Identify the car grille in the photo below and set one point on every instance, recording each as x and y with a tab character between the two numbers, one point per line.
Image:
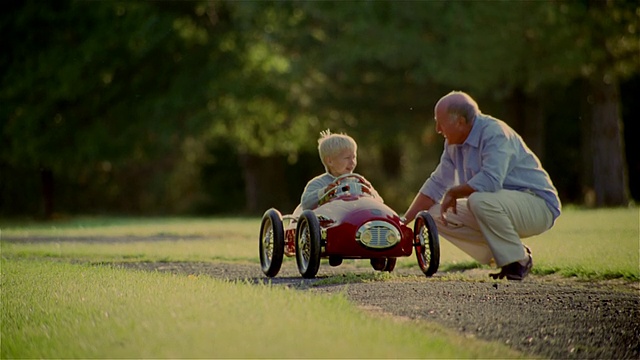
378	235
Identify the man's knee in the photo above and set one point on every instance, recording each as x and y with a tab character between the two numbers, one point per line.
478	202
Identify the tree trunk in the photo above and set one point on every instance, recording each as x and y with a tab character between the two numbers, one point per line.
526	117
391	160
265	184
609	166
586	148
46	176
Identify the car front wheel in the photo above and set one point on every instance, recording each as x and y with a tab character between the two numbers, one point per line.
308	244
426	243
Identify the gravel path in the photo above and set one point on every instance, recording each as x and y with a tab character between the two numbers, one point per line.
543	316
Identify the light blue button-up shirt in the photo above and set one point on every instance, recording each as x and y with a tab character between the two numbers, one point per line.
492	158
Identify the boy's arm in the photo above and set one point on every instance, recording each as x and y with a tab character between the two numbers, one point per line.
312	193
375	194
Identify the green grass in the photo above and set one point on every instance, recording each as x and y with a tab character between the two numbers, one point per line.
588	244
86	226
227	239
61	310
598	244
161	251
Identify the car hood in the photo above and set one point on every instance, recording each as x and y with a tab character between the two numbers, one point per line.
355	210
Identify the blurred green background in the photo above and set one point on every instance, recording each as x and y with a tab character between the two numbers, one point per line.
193	107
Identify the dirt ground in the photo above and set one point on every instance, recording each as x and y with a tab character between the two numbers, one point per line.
542	316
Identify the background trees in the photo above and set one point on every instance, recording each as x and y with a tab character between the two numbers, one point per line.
186	107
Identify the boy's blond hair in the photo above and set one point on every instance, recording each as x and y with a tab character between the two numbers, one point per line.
330	145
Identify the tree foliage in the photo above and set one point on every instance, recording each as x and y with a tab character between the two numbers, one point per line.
140	103
101	89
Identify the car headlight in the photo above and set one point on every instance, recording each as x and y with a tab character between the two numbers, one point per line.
392	237
378	235
365	237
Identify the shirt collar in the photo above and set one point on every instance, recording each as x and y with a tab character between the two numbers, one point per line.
474	136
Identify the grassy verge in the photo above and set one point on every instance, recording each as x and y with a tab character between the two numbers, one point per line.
60	310
587	244
186	239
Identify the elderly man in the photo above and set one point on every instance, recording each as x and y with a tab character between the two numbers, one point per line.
489	189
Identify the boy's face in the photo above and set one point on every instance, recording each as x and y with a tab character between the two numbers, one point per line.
343	163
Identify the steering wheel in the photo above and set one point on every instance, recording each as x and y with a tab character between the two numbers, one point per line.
344	184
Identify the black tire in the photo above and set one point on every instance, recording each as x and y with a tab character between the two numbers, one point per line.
378	264
308	244
271	242
383	264
426	243
335	261
390	264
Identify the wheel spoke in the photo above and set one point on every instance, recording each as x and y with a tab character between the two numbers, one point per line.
304	246
424	239
267	243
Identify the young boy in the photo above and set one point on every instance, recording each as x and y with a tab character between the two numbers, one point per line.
338	153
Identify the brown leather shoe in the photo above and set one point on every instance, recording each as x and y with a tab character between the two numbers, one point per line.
498	275
518	271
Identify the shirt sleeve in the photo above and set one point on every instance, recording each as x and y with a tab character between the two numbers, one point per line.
312	193
441	178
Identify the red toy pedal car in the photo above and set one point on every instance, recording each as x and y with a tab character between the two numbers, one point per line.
350	224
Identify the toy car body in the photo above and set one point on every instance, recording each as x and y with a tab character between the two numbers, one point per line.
349	223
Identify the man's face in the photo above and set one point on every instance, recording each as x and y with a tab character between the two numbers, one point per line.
454	128
343	163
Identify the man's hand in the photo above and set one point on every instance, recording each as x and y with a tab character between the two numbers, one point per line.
420	202
449	202
450	197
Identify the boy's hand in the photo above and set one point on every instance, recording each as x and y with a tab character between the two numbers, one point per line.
326	197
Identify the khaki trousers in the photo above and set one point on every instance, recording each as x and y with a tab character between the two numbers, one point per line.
488	226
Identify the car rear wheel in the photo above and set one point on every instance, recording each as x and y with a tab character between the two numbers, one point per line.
271	242
390	264
426	243
335	260
308	244
383	264
378	264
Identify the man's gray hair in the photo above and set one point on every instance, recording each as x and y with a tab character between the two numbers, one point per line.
461	104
